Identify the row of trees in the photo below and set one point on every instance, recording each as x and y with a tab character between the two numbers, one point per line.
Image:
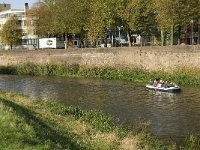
94	18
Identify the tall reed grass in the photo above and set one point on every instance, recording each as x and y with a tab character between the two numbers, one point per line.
183	76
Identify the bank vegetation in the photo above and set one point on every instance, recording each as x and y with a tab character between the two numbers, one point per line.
38	124
187	76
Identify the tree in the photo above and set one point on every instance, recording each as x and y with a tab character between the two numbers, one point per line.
11	32
63	17
94	25
102	16
165	10
176	14
58	17
41	19
69	16
139	17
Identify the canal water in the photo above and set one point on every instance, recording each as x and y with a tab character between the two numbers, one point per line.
172	116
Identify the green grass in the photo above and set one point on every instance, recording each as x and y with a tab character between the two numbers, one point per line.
36	124
28	124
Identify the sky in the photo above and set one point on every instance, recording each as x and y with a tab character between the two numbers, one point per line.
18	4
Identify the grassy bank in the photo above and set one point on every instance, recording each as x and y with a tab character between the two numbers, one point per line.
182	76
27	124
34	124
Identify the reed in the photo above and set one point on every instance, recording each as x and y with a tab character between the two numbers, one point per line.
182	76
191	142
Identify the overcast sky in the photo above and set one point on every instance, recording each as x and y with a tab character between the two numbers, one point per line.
18	4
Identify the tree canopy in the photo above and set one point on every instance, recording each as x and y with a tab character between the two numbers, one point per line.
11	32
95	17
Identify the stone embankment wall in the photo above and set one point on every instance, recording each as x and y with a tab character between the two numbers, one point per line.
151	58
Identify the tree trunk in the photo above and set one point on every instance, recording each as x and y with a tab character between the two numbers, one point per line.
162	37
66	40
179	35
172	35
129	39
82	45
199	33
106	42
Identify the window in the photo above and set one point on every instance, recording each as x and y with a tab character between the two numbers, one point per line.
75	43
24	33
25	22
20	22
34	32
24	41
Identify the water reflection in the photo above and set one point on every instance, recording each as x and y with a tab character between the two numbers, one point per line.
172	115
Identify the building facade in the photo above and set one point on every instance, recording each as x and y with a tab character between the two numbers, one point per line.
29	39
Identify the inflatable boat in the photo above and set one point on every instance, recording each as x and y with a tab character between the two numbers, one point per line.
170	89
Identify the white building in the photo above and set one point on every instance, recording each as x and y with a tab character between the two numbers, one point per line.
29	39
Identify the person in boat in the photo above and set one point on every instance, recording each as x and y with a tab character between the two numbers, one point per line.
165	84
160	83
151	82
171	84
174	84
156	81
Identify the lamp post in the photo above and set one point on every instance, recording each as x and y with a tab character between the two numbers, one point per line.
119	28
192	23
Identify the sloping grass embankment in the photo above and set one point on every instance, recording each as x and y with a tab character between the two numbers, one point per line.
34	124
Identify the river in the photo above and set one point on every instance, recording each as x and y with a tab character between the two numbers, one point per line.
172	116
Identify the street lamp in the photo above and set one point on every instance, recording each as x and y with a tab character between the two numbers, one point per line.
192	22
119	28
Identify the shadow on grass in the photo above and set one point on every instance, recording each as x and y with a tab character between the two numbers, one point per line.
43	131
